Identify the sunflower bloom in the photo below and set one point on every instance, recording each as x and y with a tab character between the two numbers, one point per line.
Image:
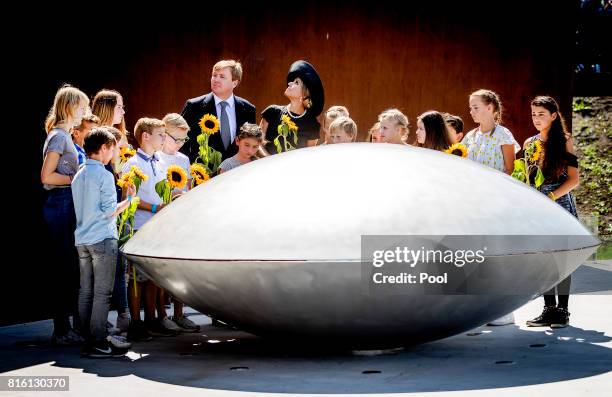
537	151
199	174
137	172
177	177
458	149
289	123
126	153
125	180
209	124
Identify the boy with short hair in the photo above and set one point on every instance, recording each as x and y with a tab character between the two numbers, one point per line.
342	130
454	125
176	136
150	134
88	122
332	114
249	140
96	209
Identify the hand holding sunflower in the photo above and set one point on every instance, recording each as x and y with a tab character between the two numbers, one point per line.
130	182
134	177
176	178
523	167
287	127
199	174
210	158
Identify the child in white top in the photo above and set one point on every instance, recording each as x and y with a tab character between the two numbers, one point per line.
490	143
176	136
150	135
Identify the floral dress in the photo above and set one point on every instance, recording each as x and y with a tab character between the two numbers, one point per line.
485	148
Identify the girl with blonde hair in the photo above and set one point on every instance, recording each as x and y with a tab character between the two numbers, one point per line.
393	127
60	164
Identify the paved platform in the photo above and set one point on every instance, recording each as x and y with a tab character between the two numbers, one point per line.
510	360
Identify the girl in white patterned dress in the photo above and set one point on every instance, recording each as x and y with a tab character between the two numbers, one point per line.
490	143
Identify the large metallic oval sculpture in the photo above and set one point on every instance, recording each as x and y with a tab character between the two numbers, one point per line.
275	246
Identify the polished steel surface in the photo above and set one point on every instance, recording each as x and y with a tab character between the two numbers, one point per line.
274	246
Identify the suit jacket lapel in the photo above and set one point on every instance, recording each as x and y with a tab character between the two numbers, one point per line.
209	105
239	113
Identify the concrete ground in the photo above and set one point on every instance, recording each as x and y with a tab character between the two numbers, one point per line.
502	361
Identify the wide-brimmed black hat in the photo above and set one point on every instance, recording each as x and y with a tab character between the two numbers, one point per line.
308	74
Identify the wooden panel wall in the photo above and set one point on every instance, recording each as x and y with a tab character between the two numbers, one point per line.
369	59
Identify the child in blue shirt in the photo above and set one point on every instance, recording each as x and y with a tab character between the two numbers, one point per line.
88	122
96	208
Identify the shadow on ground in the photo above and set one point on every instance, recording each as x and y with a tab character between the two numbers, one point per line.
223	359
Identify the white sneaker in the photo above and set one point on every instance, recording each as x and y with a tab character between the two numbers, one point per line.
118	341
169	324
504	320
186	324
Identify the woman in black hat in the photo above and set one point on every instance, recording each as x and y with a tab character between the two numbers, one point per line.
305	93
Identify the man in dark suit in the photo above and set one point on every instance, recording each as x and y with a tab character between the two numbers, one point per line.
232	111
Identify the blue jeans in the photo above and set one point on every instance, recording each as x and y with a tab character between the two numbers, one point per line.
59	215
119	299
98	263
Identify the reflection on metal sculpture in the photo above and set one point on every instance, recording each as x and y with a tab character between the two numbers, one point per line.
275	246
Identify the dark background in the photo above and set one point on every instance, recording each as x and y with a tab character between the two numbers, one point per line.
370	55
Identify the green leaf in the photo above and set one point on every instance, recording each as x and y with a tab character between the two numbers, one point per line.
134	205
519	165
277	144
161	188
216	161
137	183
519	175
539	179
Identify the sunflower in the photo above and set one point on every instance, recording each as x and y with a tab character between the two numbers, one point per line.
125	180
209	124
537	151
199	173
177	177
137	172
289	123
458	149
126	153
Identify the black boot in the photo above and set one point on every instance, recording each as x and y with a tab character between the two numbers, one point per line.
544	319
561	318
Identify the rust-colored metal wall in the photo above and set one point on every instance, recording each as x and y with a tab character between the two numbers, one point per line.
370	58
